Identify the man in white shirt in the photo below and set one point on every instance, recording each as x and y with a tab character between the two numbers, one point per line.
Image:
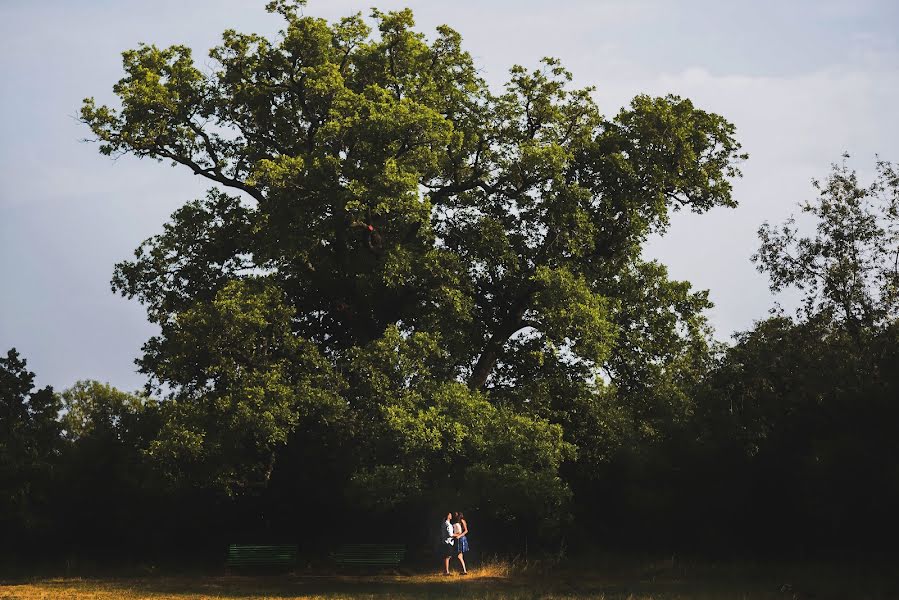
448	544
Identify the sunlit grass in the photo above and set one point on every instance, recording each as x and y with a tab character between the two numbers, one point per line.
493	580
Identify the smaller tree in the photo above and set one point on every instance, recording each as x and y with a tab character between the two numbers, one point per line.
29	443
800	413
93	409
849	270
104	491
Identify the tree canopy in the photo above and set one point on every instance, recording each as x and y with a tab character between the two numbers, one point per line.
398	252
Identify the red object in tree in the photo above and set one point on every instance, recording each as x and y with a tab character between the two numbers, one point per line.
370	228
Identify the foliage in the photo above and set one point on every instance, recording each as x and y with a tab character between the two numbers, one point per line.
241	384
91	409
803	409
104	477
29	443
407	245
446	443
801	418
850	268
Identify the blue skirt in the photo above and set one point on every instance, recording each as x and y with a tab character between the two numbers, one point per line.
462	544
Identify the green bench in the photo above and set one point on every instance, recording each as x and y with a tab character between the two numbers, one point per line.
369	555
261	556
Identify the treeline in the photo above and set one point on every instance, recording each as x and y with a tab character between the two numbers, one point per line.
783	442
430	295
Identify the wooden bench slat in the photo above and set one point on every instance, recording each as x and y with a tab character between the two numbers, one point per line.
369	554
261	555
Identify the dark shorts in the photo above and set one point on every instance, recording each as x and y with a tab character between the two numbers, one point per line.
447	550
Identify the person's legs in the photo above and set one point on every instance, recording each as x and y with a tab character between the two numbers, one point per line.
446	560
462	560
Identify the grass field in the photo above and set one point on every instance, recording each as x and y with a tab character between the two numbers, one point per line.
496	582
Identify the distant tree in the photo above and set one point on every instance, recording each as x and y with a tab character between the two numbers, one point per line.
29	445
849	270
106	489
799	415
391	200
94	409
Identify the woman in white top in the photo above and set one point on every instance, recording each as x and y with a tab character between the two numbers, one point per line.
460	532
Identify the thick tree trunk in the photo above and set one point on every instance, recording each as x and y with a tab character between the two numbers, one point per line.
485	363
506	329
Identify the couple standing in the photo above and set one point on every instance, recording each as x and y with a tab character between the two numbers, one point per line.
455	540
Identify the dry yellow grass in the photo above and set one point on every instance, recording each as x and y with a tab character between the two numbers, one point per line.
331	587
476	584
496	580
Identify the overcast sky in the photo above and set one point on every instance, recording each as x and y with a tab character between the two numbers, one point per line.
803	81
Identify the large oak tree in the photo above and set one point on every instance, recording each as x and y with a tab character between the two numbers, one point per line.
448	273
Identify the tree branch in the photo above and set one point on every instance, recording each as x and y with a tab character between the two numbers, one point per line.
213	173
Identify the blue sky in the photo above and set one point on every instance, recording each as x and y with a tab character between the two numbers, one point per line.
803	81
